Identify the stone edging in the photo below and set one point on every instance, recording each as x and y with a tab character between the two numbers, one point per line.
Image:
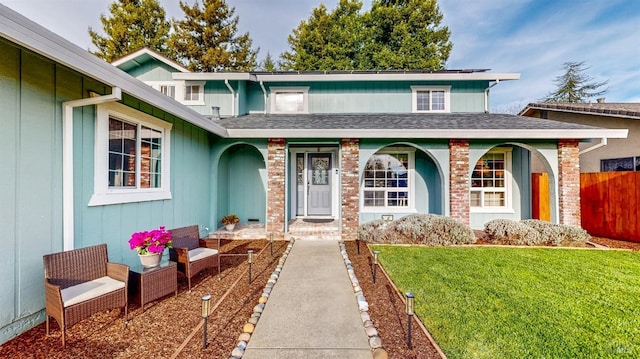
248	328
372	333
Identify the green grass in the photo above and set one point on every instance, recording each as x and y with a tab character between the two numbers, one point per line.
494	302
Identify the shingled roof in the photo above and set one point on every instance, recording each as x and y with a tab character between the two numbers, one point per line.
411	125
629	110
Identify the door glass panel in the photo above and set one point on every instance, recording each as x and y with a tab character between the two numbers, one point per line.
320	170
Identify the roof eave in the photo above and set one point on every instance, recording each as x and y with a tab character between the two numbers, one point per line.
533	134
24	32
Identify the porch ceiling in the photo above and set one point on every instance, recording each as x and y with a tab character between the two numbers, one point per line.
413	125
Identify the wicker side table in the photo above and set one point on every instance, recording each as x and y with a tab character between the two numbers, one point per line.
148	284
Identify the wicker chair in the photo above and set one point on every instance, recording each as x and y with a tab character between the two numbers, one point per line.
191	252
81	282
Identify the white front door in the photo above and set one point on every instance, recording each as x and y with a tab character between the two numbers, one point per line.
319	175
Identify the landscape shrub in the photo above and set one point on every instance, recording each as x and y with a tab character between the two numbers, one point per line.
558	234
419	229
371	232
505	231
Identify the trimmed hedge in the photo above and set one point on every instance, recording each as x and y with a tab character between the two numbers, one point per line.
533	232
558	234
427	229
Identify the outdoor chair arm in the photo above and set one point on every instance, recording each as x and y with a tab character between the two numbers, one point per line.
118	271
53	296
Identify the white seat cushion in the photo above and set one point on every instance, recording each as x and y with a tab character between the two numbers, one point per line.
88	290
200	253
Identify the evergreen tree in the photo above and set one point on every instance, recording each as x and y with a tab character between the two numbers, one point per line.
268	64
133	24
575	85
326	41
206	40
394	34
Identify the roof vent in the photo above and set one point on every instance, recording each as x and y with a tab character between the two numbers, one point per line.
215	112
601	100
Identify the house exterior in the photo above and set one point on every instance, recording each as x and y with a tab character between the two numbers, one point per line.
93	152
601	155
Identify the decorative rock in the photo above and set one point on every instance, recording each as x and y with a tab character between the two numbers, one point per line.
237	352
248	328
242	345
375	342
254	314
371	331
244	337
253	320
258	308
365	316
262	300
380	353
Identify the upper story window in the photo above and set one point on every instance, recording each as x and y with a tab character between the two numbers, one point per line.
131	156
289	99
388	181
620	164
491	181
430	98
169	90
193	93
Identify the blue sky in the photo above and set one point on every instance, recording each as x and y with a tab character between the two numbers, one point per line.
530	37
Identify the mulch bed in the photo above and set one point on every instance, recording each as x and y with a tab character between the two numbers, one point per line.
171	327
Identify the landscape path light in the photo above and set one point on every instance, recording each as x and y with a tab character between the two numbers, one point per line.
250	260
409	303
206	306
375	265
271	242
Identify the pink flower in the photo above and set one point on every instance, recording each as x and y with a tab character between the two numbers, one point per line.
154	241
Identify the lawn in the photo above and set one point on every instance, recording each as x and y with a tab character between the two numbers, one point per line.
495	302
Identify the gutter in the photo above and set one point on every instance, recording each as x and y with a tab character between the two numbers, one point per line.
264	93
67	160
603	142
486	95
233	97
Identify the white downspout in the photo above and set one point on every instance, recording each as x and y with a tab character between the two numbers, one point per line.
264	94
233	98
67	160
486	96
603	142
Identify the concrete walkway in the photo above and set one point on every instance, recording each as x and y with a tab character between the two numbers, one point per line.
312	311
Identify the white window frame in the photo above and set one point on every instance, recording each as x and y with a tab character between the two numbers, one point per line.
508	190
180	96
414	98
411	208
273	91
102	193
177	85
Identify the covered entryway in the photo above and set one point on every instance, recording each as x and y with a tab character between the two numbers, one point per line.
314	192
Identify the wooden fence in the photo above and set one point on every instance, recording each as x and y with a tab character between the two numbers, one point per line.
610	203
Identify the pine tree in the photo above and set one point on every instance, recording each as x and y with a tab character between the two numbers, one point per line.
206	39
394	34
268	64
575	85
132	24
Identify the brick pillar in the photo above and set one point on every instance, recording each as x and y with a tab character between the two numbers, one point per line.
569	182
459	180
350	188
276	186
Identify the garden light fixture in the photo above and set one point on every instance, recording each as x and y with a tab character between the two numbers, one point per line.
375	265
206	305
250	260
409	304
271	242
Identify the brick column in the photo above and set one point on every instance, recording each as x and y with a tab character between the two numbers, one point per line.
459	180
276	186
569	182
350	188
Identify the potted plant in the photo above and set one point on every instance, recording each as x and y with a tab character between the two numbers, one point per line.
230	221
150	245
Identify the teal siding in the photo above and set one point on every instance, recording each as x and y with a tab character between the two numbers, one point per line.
152	71
255	98
216	93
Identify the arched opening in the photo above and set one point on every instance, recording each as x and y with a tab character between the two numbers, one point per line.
400	179
241	189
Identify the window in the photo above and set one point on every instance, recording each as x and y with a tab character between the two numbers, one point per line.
490	180
388	181
168	90
289	100
430	98
620	164
131	156
192	93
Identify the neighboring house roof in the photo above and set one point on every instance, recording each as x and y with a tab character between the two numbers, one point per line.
411	125
30	35
144	54
625	110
